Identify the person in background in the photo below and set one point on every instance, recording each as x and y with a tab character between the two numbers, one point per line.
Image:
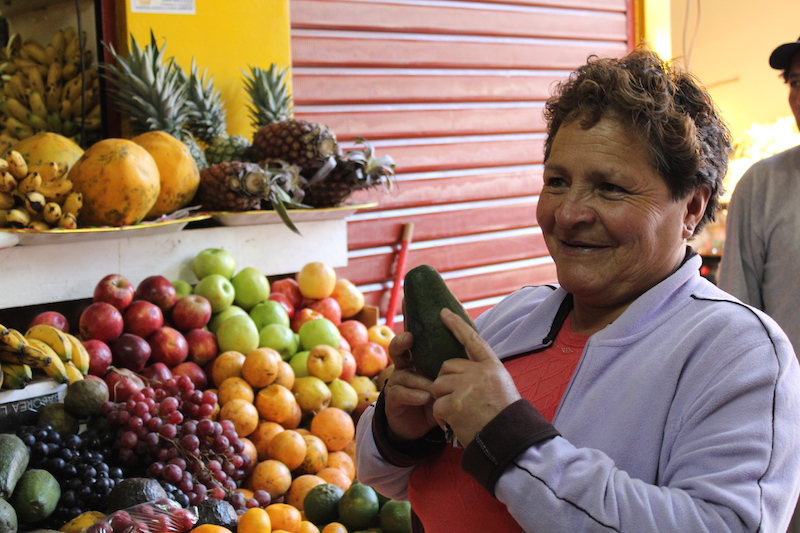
635	396
762	232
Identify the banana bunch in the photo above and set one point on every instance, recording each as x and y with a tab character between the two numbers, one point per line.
42	349
49	87
36	200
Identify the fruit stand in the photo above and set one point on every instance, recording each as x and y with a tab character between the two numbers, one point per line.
178	352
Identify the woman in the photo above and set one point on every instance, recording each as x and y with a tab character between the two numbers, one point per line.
636	396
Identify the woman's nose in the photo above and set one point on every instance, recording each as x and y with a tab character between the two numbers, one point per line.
575	208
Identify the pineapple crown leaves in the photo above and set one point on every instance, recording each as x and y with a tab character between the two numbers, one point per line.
208	119
370	171
150	90
270	101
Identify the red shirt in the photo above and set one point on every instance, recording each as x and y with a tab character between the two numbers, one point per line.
446	498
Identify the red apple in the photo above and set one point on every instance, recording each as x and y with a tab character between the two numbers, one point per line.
101	321
156	373
169	346
122	384
348	366
354	331
344	345
191	312
203	346
193	372
116	290
329	308
100	357
291	289
302	316
158	290
142	318
284	301
130	351
52	318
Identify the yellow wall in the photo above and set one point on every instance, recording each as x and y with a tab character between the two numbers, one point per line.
653	25
224	36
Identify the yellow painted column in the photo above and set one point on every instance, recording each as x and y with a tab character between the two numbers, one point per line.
654	26
224	36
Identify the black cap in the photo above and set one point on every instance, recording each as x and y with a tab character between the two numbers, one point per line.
782	56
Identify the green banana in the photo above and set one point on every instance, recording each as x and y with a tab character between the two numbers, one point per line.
16	376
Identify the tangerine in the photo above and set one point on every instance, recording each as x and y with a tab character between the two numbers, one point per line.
251	450
334	527
210	528
242	413
316	455
275	403
321	503
225	365
358	507
285	375
254	520
336	476
335	427
288	447
307	527
272	476
343	462
262	436
260	367
284	516
296	418
235	387
300	487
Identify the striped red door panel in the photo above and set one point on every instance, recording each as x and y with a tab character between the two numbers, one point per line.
461	18
453	186
599	5
310	48
312	85
397	121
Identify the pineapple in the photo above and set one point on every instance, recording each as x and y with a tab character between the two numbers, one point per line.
311	147
228	148
152	93
355	170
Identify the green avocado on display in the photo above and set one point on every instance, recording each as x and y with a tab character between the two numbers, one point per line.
13	462
36	495
8	517
426	294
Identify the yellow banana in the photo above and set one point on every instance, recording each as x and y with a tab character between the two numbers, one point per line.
35	51
52	97
70	70
12	340
18	110
18	218
73	203
51	213
50	171
3	165
54	73
53	337
34	202
8	183
72	372
80	355
35	80
56	368
37	105
58	43
69	33
16	376
17	165
31	182
65	109
7	201
38	225
68	221
18	86
55	188
51	54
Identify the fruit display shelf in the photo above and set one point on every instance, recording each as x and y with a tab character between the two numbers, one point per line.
21	406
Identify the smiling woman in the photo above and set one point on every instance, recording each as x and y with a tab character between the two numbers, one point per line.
634	160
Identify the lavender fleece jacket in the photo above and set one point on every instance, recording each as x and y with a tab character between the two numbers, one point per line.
683	416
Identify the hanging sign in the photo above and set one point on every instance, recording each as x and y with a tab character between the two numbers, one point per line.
167	7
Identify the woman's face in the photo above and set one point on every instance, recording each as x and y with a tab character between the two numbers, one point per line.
607	215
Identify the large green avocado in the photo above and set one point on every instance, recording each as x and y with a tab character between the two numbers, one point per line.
36	495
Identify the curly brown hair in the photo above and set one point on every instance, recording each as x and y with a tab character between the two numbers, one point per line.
665	105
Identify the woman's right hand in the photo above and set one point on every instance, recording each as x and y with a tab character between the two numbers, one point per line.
407	394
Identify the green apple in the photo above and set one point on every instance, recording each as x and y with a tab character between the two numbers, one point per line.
280	338
319	331
219	318
269	312
251	286
214	261
182	288
299	363
218	290
237	333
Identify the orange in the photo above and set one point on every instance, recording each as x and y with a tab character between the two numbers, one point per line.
316	280
242	413
271	476
275	403
254	520
316	455
334	527
262	436
285	375
211	528
335	427
225	365
250	449
371	358
300	487
260	367
336	476
284	516
296	418
350	298
235	387
247	492
288	447
343	462
307	527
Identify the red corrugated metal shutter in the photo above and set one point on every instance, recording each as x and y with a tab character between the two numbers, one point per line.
453	91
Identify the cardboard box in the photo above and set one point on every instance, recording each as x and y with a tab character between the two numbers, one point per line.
21	407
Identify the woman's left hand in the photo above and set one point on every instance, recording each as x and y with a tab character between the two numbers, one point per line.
471	392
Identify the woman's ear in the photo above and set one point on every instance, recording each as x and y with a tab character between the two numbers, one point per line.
696	203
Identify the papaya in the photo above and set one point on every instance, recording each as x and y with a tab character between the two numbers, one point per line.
36	495
425	295
45	147
13	461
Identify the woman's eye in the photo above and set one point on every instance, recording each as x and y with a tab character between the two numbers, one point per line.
794	84
610	187
554	182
